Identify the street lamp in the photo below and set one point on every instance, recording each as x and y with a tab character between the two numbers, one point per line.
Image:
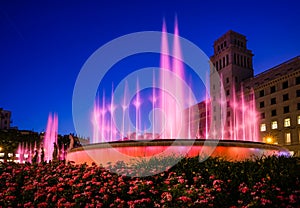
269	140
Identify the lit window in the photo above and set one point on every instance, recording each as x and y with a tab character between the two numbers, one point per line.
10	154
263	127
287	122
274	125
1	154
17	155
288	138
298	119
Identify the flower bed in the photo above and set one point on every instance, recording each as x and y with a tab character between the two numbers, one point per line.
268	182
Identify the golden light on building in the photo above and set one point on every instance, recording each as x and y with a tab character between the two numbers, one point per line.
269	139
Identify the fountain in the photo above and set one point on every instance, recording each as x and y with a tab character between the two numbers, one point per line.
120	136
26	151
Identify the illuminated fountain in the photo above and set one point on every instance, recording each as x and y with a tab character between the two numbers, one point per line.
50	136
26	151
169	133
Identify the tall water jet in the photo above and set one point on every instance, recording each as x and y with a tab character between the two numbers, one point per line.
173	103
50	136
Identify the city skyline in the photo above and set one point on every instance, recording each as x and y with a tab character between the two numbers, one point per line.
45	46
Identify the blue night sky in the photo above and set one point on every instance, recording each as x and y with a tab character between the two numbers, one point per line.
44	44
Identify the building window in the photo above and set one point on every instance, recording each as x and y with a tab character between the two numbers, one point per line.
273	112
286	109
285	85
274	125
263	127
234	58
227	80
298	93
287	122
285	97
272	89
297	80
288	138
298	106
261	93
227	92
262	104
298	119
262	115
236	79
227	59
273	101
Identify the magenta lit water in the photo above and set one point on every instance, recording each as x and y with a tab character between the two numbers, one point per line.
172	123
50	136
27	150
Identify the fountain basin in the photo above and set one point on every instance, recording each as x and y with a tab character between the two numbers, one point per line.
128	150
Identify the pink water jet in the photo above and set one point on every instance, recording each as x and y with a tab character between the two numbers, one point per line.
173	132
50	136
171	123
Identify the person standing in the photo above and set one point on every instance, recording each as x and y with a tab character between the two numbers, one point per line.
55	152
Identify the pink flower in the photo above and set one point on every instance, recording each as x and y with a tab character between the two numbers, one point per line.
43	204
181	180
10	198
280	198
265	201
167	196
292	198
185	199
75	196
244	189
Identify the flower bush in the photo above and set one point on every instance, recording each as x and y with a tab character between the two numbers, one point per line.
265	182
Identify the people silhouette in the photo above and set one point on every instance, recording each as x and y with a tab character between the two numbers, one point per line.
55	152
42	154
35	157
